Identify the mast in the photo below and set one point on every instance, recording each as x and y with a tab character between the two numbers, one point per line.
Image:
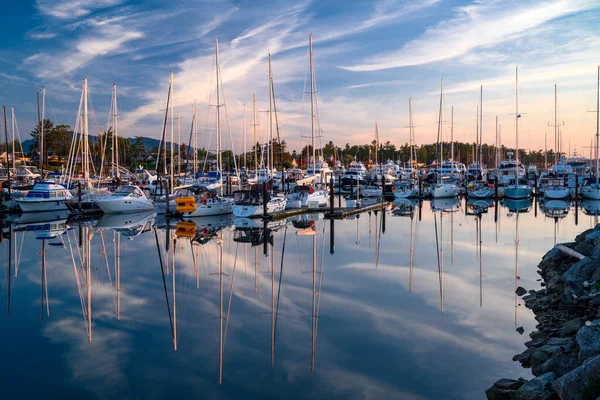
312	104
497	144
7	169
85	146
14	121
171	172
195	158
481	131
41	139
556	139
254	129
179	143
219	155
452	138
410	134
116	132
517	127
440	145
245	141
475	153
376	142
597	122
270	117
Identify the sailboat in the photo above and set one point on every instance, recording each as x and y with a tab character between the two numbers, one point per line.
443	189
312	196
250	203
479	189
592	191
517	190
206	201
408	188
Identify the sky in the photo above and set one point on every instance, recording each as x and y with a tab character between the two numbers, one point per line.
370	58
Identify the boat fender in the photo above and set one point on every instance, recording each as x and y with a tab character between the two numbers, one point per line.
204	201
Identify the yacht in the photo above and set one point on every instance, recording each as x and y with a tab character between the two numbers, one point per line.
27	173
321	171
476	171
45	196
445	190
125	199
405	188
509	168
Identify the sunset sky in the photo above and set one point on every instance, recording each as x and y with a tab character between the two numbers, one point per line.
370	58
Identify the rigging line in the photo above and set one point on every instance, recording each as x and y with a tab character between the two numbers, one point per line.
105	256
277	124
280	279
79	290
237	173
162	271
437	246
231	292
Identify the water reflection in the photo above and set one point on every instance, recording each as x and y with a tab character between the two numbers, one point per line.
389	276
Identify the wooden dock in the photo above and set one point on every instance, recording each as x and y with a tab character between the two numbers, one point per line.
336	213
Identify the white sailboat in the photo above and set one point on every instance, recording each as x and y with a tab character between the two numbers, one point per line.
443	189
207	202
517	190
592	191
408	188
480	189
314	196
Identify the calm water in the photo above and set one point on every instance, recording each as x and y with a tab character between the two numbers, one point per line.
356	321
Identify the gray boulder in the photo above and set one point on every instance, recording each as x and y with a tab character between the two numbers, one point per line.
520	291
539	388
577	274
542	354
571	327
581	383
560	365
588	339
504	389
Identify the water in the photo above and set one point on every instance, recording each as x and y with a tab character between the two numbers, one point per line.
373	327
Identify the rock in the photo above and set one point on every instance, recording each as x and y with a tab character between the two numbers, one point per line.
586	247
588	339
539	388
504	389
581	383
566	343
571	327
583	235
560	365
593	238
529	297
525	357
520	291
535	343
596	253
520	330
574	278
542	354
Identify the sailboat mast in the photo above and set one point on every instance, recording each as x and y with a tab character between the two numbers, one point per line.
171	174
475	153
270	117
254	129
440	145
116	127
517	126
195	138
410	134
178	143
556	140
41	141
452	137
481	130
219	159
85	132
376	142
312	104
13	120
597	122
245	140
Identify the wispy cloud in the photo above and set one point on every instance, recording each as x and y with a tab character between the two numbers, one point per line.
380	83
12	77
484	23
72	9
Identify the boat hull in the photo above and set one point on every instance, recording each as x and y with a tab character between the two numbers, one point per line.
445	191
517	192
591	192
41	205
557	194
223	207
111	205
484	193
249	211
406	193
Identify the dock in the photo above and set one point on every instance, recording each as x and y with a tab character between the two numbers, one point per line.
335	213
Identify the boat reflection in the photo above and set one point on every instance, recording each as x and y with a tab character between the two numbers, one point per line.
517	206
555	208
591	207
478	206
404	207
445	204
130	225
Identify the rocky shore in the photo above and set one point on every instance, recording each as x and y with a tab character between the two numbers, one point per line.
564	351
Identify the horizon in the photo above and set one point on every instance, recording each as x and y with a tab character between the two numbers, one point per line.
362	76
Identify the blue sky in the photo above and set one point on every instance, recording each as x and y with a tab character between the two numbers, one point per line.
370	58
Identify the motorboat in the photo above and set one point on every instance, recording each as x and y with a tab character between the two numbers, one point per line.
130	224
126	199
445	190
45	196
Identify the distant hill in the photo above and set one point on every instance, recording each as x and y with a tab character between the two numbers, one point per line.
149	143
